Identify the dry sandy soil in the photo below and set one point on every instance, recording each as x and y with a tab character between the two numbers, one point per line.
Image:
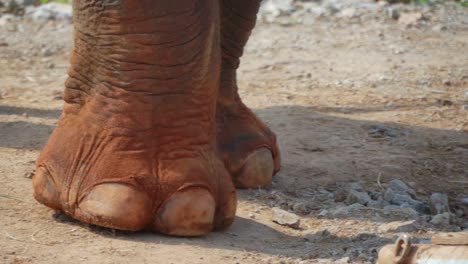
353	99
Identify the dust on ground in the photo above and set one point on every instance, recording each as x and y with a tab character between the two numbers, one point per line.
369	104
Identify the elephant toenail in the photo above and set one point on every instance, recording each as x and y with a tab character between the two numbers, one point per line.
257	171
117	206
188	212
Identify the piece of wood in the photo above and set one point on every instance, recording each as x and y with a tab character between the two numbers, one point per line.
458	238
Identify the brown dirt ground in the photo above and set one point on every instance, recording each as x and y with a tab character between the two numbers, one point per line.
321	87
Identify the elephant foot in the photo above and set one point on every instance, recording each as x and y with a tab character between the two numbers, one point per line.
248	146
97	178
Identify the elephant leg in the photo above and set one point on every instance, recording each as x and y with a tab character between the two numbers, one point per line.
248	146
135	147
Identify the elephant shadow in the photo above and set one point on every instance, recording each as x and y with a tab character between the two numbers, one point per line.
26	134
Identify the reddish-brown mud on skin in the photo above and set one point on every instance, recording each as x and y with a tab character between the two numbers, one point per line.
136	143
249	148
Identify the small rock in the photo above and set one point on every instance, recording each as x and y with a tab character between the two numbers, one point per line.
391	207
342	260
380	131
357	197
29	174
9	22
439	203
320	236
459	213
397	226
399	186
346	210
323	213
441	219
51	11
388	195
348	13
447	82
271	9
439	28
300	208
340	195
48	52
343	190
444	102
404	200
410	19
284	218
379	204
393	13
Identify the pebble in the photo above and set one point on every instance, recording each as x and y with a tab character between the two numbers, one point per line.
400	186
323	213
9	22
50	11
439	28
300	208
397	226
441	219
355	196
284	218
393	13
410	19
439	203
270	9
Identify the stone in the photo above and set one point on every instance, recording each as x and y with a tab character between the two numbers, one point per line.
379	204
348	13
9	22
357	197
439	203
397	226
319	236
346	210
300	208
343	190
439	28
399	186
47	52
324	212
441	219
285	218
404	200
410	19
340	195
393	13
17	2
275	8
50	11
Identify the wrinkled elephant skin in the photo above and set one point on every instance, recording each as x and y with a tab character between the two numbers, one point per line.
153	134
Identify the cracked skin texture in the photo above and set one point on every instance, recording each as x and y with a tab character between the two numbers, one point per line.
153	135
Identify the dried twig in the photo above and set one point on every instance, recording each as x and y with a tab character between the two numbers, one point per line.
378	181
